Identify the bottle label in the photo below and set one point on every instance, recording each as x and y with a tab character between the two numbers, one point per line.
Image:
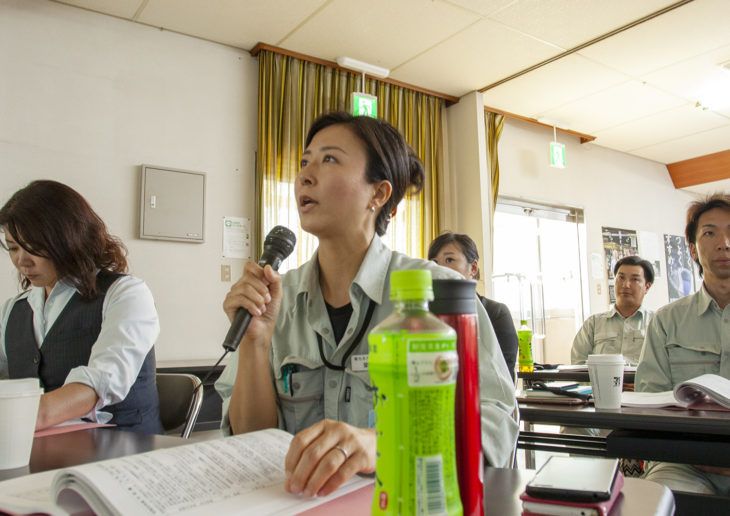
431	362
414	384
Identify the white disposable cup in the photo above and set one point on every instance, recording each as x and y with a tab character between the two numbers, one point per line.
607	380
19	409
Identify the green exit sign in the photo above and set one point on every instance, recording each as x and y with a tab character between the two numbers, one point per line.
364	104
557	155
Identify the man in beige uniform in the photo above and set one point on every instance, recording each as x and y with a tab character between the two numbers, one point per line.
622	329
691	336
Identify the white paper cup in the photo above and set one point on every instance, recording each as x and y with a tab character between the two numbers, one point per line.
19	409
607	380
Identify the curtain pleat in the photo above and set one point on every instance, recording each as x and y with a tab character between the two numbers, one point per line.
494	123
292	93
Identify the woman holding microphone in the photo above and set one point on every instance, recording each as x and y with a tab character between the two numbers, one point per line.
302	364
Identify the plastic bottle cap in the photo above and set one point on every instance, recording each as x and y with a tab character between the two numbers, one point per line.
411	284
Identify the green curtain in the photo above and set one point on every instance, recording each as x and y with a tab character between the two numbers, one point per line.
292	93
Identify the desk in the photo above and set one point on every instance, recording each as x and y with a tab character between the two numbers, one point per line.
501	486
83	446
686	436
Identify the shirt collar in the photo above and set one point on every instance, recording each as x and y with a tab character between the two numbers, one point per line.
370	277
704	300
37	295
613	312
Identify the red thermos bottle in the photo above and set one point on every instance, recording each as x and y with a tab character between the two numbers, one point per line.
455	304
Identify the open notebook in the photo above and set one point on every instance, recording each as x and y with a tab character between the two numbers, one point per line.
705	392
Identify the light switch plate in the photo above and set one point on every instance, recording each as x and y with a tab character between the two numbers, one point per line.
225	272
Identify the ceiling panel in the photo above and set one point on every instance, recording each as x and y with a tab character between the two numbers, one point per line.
698	79
232	22
551	86
340	29
474	57
687	31
660	127
120	8
693	146
482	7
613	106
588	18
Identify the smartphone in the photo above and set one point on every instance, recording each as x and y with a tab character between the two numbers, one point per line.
578	479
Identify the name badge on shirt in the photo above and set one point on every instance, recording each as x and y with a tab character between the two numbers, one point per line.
359	363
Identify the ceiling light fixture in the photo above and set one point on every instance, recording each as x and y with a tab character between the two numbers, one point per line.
363	67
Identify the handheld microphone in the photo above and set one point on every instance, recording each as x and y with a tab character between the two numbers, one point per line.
278	245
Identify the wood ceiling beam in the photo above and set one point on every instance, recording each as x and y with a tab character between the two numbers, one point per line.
584	138
703	169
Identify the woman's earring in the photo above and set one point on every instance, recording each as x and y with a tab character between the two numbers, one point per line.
372	208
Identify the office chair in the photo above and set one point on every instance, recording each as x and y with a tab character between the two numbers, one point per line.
179	401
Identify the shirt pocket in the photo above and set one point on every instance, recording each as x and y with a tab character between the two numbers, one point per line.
605	343
689	361
303	403
634	344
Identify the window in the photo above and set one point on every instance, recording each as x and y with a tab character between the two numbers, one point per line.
540	271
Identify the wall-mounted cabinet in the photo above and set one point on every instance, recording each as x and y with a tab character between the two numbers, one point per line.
172	204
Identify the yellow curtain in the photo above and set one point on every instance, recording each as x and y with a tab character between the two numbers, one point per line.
493	125
292	93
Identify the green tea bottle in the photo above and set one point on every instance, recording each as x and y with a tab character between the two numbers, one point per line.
413	364
524	339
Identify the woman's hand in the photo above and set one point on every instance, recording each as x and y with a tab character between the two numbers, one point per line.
326	454
258	291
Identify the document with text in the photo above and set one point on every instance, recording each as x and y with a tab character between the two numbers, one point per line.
222	476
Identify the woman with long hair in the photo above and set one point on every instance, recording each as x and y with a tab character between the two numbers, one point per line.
82	326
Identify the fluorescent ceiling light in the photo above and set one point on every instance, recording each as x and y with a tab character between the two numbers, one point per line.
362	66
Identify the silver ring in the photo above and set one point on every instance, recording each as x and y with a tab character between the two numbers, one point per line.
344	452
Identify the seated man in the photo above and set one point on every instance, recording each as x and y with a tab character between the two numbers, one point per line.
690	336
623	327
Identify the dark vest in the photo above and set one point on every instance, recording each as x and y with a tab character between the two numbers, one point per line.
67	345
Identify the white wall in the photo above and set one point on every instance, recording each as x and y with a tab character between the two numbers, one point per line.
85	99
613	188
467	176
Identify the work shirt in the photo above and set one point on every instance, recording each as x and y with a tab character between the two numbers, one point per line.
129	330
685	339
307	391
612	333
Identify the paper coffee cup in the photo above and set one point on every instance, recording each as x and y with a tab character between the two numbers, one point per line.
607	380
19	408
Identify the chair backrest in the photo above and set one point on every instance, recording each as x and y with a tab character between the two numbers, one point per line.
180	401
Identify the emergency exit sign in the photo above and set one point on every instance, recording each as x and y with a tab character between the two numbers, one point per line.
557	155
364	105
